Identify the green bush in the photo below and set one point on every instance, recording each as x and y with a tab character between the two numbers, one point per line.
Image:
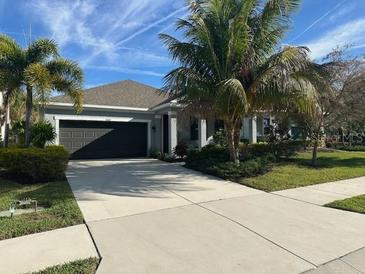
220	138
207	156
249	168
181	149
155	154
167	157
353	148
42	132
288	148
340	146
214	160
280	149
35	164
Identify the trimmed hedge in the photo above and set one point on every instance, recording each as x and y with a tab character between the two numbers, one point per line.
280	149
346	148
250	168
353	148
207	156
214	160
35	164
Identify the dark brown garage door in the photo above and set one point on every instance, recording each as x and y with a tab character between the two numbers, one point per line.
97	140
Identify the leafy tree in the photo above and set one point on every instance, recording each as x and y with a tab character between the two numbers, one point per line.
347	79
230	60
337	97
40	70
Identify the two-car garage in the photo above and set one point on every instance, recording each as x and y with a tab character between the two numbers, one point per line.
101	139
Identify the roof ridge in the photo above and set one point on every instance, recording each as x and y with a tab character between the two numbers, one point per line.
120	82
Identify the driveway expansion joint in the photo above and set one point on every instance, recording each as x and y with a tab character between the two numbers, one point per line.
94	243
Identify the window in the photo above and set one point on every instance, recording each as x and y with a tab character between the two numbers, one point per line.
218	125
194	131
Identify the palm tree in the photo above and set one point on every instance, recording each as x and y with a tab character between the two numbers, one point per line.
230	58
10	77
40	70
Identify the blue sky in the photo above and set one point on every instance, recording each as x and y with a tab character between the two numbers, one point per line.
117	39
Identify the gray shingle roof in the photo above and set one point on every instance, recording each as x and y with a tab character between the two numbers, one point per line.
126	93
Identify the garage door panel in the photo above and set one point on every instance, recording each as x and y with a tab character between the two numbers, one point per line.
92	140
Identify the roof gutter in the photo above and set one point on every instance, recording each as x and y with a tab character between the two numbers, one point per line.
57	104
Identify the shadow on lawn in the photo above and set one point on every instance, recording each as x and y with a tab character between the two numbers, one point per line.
48	194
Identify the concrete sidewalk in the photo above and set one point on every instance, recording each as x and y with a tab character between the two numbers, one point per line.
353	263
322	194
41	250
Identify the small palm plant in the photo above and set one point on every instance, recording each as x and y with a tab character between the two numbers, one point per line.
42	133
231	60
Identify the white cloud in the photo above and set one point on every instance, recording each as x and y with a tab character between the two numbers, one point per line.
68	23
98	32
344	10
322	17
126	70
351	33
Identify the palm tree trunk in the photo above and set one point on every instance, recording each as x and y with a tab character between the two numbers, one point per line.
315	151
28	115
237	137
233	151
7	122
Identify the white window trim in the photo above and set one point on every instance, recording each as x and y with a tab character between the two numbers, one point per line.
57	119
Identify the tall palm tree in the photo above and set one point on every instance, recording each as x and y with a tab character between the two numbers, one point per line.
11	57
230	58
40	70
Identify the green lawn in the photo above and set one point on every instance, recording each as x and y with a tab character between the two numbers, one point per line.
297	172
62	209
87	266
355	204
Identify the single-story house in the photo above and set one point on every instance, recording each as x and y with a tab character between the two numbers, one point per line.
130	119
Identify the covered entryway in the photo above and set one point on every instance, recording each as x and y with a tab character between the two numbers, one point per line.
98	140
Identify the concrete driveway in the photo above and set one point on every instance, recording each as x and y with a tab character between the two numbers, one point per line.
148	216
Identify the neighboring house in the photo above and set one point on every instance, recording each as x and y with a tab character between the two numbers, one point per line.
130	119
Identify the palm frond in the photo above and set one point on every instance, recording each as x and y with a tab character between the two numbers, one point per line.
38	76
67	78
40	50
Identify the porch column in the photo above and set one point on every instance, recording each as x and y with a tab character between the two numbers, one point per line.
253	130
172	131
202	129
246	128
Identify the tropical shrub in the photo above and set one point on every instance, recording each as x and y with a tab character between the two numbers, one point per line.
167	157
220	138
35	164
18	132
340	146
155	154
181	150
286	148
42	132
352	148
232	171
208	155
